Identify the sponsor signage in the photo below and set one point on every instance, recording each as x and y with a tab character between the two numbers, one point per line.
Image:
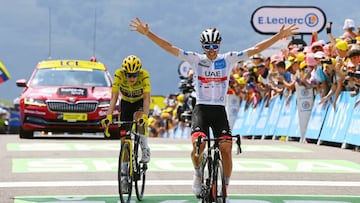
72	91
268	19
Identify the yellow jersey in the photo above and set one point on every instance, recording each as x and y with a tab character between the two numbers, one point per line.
131	93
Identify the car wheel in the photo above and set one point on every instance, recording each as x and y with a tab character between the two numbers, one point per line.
26	134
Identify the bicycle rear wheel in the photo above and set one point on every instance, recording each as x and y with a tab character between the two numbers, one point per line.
124	177
218	189
139	175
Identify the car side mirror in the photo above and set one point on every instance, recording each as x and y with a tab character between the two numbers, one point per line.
21	83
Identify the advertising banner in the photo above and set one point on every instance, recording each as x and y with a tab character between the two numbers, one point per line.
275	109
316	120
262	120
286	117
324	124
252	118
294	130
268	19
305	100
337	120
353	134
239	127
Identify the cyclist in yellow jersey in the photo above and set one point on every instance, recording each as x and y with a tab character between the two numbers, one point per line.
132	83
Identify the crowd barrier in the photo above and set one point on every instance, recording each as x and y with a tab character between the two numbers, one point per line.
339	125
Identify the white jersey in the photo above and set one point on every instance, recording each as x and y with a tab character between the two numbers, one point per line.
211	78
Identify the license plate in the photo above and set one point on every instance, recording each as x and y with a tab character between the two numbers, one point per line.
75	116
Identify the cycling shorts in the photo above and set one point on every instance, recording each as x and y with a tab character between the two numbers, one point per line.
210	116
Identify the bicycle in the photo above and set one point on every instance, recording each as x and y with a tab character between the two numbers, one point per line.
213	187
130	167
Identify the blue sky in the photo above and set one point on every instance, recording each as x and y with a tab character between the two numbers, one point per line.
24	36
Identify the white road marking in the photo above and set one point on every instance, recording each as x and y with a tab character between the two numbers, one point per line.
179	183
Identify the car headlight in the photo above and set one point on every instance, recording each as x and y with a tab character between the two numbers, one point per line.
36	102
105	103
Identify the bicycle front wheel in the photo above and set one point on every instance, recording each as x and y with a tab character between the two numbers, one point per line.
205	195
218	188
124	174
139	174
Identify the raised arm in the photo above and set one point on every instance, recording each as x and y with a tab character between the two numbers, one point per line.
137	25
284	32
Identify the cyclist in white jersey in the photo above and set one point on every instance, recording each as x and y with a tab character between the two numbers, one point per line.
211	79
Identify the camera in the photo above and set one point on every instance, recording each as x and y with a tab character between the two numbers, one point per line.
186	85
354	74
184	111
186	116
326	61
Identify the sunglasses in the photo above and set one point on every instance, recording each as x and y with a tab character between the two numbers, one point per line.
207	47
132	75
316	48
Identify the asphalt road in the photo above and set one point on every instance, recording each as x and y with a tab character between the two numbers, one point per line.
84	170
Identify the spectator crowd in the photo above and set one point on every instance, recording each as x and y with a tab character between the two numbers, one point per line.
327	66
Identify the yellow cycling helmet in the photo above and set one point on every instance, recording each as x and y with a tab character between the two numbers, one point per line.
131	64
180	97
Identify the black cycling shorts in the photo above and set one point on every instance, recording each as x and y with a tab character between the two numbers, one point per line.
210	116
127	110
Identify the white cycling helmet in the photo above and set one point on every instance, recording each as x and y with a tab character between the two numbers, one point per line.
210	36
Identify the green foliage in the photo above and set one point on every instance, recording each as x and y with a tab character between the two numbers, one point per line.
6	103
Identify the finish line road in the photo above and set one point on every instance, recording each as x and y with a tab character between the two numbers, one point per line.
85	170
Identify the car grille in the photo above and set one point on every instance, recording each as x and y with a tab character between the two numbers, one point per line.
78	107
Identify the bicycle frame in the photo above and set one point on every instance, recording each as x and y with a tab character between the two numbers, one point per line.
128	153
129	140
211	161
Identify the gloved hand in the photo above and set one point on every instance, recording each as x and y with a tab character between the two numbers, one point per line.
143	120
106	121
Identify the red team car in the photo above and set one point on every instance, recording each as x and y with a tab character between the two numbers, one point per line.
65	96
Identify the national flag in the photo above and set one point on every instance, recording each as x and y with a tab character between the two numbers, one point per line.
4	74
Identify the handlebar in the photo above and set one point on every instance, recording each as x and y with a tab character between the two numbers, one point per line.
201	139
107	124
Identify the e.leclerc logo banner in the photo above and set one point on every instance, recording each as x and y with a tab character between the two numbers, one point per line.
268	19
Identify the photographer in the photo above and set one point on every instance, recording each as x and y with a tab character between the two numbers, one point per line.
353	75
349	74
184	111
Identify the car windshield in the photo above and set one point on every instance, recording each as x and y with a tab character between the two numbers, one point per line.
78	77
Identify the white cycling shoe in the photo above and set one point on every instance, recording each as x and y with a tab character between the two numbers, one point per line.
196	187
145	157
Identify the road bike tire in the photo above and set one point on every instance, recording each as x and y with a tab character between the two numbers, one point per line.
205	194
139	174
218	188
124	173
